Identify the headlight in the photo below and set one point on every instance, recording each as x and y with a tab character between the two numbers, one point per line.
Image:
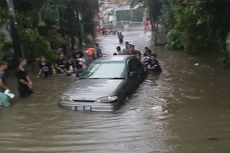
66	98
106	99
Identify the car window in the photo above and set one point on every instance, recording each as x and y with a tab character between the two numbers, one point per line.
105	70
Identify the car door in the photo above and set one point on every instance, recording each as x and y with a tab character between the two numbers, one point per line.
135	70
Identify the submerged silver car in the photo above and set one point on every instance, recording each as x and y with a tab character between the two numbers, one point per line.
104	85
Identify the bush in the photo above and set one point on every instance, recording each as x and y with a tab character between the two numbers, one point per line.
34	45
174	40
191	21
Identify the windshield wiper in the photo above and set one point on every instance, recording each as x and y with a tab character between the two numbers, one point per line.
83	78
89	78
115	78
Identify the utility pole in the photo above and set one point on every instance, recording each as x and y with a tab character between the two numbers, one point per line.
14	33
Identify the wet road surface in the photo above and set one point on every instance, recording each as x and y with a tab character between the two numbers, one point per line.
185	110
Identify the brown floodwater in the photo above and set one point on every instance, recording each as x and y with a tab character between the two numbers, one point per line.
184	110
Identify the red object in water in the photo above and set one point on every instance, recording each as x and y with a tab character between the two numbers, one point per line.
146	25
90	52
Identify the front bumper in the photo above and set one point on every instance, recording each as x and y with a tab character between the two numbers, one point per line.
88	106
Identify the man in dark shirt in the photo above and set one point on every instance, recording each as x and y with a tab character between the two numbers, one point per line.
70	65
148	51
119	50
45	67
77	55
76	52
154	64
98	51
60	64
25	85
120	37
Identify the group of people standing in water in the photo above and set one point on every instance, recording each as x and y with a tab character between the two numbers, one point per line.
24	82
71	64
148	58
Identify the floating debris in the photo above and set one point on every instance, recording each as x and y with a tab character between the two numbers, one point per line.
196	64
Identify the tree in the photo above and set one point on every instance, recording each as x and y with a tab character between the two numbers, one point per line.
88	10
202	25
2	22
57	21
52	23
154	7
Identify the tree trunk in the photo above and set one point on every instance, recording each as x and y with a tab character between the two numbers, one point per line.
14	32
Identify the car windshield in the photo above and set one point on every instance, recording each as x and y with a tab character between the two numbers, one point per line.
105	70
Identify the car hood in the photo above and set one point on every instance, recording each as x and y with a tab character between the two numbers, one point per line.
91	89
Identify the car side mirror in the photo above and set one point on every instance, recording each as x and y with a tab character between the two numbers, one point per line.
133	74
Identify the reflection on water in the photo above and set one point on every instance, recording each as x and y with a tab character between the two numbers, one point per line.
185	110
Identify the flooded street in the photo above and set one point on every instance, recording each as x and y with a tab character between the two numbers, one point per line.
185	110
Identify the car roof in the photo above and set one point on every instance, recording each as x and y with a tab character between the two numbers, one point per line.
115	58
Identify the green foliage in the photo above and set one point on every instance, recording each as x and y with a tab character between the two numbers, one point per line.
28	5
191	21
46	24
34	45
203	24
168	14
3	16
88	11
53	36
50	16
3	19
24	21
222	57
174	40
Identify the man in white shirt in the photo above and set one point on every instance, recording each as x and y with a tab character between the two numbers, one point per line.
126	51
